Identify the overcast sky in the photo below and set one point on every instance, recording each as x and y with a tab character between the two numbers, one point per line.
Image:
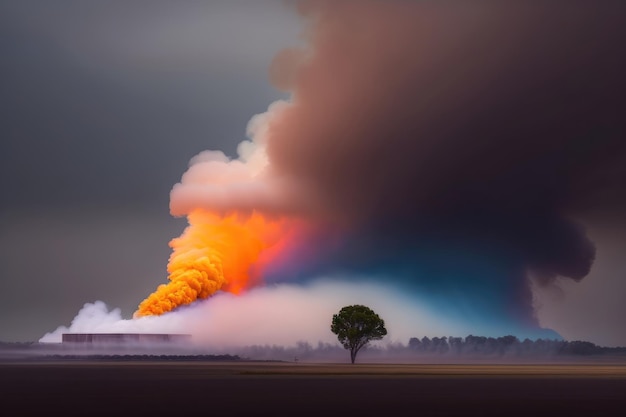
104	104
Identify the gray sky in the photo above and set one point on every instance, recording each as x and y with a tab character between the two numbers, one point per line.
103	104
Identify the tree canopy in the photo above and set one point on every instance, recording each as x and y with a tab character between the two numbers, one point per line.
357	325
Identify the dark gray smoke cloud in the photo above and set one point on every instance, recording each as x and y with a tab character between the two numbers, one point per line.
459	144
454	145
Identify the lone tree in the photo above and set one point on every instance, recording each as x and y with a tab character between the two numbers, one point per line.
355	326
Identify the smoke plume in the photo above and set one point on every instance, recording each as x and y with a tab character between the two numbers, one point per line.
456	146
213	253
281	315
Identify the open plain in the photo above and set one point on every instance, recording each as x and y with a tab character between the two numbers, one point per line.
250	388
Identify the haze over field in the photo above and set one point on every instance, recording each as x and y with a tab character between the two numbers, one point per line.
457	167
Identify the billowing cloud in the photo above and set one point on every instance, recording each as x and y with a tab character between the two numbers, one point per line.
455	149
457	146
282	315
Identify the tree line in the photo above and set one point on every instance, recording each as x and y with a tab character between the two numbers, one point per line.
506	346
357	325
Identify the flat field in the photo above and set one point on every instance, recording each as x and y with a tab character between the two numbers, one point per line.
246	388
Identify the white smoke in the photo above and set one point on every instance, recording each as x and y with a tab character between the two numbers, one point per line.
275	315
217	183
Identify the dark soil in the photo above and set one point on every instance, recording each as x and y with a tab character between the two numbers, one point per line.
113	388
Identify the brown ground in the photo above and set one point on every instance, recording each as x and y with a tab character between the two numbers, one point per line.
290	389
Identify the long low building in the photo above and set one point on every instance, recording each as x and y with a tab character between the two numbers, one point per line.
124	338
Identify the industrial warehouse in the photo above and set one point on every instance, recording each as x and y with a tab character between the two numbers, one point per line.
121	339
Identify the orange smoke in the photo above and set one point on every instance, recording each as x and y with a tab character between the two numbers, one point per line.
213	253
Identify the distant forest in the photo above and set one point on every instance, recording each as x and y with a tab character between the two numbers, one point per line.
475	347
506	345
